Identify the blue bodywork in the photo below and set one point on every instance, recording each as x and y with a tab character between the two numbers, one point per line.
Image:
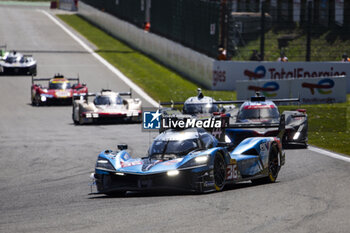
194	171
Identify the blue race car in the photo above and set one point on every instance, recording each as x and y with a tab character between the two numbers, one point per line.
189	160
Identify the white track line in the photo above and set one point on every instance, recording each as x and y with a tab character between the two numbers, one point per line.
117	72
329	154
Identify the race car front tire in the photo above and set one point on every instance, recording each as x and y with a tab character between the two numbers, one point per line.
219	171
73	117
81	120
273	168
36	101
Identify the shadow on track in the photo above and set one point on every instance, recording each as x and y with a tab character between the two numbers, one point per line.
134	194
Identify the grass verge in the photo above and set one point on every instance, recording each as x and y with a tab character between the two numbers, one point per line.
158	81
328	124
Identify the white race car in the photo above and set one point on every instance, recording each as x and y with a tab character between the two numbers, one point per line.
108	106
14	63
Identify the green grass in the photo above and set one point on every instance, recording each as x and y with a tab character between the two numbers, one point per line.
327	123
158	81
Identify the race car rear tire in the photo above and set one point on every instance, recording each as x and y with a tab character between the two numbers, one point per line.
73	117
219	171
273	168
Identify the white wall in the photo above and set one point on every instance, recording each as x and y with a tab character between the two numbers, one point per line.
188	62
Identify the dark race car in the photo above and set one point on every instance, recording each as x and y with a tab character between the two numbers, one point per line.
189	160
260	117
256	117
14	63
60	90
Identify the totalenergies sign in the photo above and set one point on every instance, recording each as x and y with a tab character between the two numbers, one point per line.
274	73
226	73
310	91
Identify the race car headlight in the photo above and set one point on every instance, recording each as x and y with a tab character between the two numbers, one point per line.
104	163
201	159
197	161
43	98
296	135
173	173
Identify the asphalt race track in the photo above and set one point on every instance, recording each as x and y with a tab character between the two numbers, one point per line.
46	162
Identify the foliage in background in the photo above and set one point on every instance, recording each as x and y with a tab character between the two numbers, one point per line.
325	46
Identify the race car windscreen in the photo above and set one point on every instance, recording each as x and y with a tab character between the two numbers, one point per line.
257	113
59	85
23	60
200	108
108	100
179	148
10	59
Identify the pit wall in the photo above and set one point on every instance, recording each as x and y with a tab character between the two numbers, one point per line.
195	66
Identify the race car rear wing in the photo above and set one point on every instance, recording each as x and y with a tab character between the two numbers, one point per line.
48	79
252	125
172	103
84	95
125	93
255	98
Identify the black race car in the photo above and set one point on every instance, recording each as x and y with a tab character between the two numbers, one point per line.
260	117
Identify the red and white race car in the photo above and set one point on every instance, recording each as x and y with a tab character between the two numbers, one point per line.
59	91
108	106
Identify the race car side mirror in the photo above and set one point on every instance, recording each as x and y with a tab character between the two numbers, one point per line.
282	126
122	146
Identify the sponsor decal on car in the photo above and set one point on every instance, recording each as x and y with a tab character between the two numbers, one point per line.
129	164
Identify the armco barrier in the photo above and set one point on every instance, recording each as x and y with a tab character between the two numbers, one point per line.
196	66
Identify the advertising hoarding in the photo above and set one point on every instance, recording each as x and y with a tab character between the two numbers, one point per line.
310	91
